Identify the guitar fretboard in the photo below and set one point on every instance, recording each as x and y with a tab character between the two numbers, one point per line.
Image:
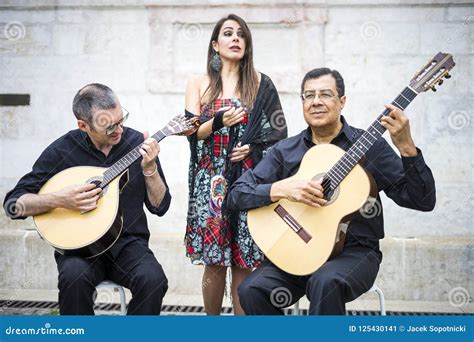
355	153
121	165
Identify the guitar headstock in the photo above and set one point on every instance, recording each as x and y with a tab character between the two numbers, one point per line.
180	125
432	74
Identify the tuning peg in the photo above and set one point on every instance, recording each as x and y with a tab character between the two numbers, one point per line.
440	82
433	88
447	75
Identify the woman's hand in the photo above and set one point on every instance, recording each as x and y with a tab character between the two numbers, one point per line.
239	153
233	116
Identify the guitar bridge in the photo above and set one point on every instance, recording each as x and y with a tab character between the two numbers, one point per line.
293	224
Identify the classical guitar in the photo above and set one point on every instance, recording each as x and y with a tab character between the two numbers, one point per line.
89	234
298	238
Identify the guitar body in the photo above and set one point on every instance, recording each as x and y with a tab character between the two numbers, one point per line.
88	234
298	238
91	233
287	249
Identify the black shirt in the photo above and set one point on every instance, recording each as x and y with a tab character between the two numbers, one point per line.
407	181
76	149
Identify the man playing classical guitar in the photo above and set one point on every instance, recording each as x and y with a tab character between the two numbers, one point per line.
101	140
344	277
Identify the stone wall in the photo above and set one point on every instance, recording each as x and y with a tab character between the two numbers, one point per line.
146	50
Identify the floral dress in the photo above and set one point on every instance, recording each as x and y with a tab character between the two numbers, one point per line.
210	238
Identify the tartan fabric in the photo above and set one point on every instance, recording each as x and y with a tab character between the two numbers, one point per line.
220	144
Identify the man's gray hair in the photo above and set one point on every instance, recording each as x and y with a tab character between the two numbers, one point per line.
92	97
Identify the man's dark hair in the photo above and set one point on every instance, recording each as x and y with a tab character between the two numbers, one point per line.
92	97
318	72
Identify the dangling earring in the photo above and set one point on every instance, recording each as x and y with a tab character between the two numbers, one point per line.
216	62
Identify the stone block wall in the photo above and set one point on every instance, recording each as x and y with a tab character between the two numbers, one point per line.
146	50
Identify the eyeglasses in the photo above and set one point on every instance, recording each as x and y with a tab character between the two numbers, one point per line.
111	129
323	95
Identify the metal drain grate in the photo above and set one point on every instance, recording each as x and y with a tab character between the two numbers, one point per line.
23	304
199	310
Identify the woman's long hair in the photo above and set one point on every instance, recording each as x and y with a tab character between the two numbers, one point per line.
247	87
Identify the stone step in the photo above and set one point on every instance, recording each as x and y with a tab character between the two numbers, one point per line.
417	269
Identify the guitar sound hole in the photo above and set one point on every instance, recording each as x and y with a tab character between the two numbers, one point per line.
330	194
97	180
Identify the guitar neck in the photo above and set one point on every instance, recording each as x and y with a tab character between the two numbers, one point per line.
355	153
124	163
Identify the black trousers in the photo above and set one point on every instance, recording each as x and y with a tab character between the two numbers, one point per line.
135	268
340	280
